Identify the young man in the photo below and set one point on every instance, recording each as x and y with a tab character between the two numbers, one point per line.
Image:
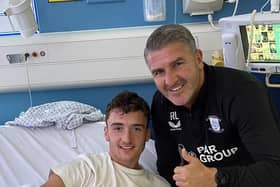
126	130
223	117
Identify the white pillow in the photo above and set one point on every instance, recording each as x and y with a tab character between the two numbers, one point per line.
63	114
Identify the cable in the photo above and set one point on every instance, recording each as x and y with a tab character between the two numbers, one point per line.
8	14
235	7
210	20
252	20
27	55
12	26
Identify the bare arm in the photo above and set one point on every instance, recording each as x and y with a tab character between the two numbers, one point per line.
53	181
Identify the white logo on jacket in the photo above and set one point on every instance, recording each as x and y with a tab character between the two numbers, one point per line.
209	153
174	122
215	124
173	125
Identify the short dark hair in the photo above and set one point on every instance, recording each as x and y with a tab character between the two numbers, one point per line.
127	102
167	34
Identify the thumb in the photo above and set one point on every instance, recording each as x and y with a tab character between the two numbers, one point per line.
186	156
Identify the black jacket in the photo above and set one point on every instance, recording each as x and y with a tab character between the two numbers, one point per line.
232	126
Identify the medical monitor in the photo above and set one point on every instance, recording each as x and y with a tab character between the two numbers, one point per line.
252	45
261	42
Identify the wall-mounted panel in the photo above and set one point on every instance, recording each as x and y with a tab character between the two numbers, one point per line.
79	59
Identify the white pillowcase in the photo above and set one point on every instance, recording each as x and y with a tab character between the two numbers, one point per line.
63	114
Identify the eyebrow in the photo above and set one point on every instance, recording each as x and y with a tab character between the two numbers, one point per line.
177	59
134	125
116	123
171	63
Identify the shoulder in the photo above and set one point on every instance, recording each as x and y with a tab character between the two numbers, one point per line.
96	159
81	162
232	80
74	172
230	74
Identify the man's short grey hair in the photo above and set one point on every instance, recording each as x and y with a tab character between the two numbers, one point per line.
167	34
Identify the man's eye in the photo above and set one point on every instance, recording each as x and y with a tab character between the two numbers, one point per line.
156	73
138	129
117	128
179	63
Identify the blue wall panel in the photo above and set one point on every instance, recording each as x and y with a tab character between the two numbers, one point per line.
80	15
14	103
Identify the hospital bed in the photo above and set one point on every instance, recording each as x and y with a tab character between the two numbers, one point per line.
27	152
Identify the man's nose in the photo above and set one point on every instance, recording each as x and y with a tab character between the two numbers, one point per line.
170	77
127	136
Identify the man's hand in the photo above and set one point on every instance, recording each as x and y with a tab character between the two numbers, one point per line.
194	174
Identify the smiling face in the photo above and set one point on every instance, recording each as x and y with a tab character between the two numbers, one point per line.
126	134
177	72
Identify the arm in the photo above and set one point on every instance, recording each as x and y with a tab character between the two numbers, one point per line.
258	127
252	113
53	181
72	173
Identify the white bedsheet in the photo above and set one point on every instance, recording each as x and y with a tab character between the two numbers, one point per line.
26	154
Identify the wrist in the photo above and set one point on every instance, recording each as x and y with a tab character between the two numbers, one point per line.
221	178
212	179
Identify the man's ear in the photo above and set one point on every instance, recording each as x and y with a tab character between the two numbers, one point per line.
199	56
106	133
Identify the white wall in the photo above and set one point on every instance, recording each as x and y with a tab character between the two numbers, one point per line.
86	58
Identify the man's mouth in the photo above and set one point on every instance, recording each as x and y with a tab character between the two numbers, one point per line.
126	147
176	89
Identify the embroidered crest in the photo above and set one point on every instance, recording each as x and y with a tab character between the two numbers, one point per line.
215	124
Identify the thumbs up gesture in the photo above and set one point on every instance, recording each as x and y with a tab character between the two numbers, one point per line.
194	174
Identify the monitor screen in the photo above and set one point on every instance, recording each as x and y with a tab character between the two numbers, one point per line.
265	44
